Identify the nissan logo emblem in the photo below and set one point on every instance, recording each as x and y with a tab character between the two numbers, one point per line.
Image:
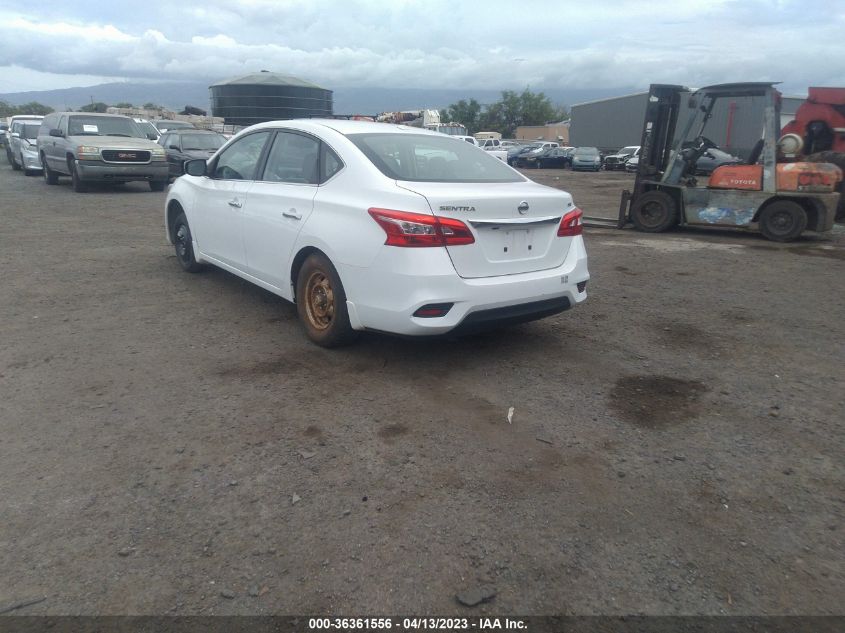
522	208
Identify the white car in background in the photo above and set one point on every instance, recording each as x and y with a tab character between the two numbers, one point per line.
369	226
23	146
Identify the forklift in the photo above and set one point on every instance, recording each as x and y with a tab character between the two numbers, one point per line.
781	200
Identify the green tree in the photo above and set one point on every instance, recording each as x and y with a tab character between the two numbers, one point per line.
123	104
151	106
6	109
506	114
99	106
33	107
467	113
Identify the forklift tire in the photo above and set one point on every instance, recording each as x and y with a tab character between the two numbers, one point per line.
654	212
783	220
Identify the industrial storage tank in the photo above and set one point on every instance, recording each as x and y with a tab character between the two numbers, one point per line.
267	96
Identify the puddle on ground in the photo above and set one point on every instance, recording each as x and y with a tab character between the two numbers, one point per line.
656	402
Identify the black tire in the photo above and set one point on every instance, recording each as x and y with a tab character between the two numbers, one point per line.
158	185
78	185
184	244
783	220
654	212
50	177
15	165
321	303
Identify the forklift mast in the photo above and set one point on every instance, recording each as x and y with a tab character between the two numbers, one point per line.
661	116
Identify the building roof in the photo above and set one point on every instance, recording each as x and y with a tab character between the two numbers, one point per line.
266	78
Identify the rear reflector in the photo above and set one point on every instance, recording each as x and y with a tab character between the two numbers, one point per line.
432	310
582	285
418	229
570	225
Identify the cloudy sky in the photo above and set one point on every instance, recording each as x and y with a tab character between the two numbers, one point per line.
425	44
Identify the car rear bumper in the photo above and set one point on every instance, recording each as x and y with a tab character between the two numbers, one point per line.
385	296
107	172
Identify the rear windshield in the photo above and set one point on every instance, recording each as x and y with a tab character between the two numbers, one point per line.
103	126
202	141
30	130
431	158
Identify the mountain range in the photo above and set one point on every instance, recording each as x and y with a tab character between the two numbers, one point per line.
350	100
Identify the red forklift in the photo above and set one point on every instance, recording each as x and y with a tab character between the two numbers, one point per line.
780	199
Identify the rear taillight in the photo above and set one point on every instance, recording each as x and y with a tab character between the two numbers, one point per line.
417	229
570	225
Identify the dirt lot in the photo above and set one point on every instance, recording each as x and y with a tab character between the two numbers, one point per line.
676	446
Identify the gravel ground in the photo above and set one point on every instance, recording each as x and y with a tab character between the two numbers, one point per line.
171	443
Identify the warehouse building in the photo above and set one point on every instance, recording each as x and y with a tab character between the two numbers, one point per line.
549	132
618	121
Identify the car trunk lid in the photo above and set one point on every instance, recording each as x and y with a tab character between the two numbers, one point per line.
514	225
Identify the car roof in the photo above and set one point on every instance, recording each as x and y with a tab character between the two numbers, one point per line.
345	127
190	130
98	114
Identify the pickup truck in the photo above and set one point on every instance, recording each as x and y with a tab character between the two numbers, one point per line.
99	148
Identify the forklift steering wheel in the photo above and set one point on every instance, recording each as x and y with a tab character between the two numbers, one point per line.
705	143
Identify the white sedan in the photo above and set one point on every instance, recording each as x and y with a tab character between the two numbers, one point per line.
373	226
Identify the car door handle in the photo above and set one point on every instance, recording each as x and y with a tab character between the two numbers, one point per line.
293	213
236	203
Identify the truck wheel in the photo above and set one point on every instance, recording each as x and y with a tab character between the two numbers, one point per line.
158	185
76	181
654	212
783	220
50	177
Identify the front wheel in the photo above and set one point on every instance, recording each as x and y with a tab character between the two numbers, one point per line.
50	177
321	303
184	244
78	185
783	221
654	212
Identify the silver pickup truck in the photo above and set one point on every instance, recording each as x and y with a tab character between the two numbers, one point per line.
99	148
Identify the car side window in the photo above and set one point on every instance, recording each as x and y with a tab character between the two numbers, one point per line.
331	164
164	140
63	124
293	158
240	160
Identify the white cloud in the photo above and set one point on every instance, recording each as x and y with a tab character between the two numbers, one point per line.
437	44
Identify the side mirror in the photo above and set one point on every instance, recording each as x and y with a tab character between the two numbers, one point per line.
152	136
176	147
56	132
196	167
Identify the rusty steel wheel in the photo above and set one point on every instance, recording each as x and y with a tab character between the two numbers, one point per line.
319	300
321	303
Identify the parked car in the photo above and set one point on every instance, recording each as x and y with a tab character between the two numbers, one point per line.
3	128
586	159
552	157
618	160
164	125
469	139
539	148
632	164
184	144
92	147
148	128
7	135
23	144
515	152
373	226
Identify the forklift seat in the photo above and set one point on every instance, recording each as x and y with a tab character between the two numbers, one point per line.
755	153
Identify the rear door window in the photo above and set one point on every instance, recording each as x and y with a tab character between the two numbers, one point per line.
293	158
